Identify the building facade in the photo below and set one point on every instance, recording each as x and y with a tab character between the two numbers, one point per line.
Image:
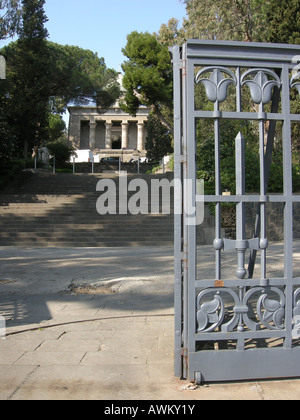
108	133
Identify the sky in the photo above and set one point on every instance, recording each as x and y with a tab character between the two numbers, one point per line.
103	25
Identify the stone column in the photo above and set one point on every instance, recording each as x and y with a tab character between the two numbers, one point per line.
74	130
108	139
125	134
140	136
93	126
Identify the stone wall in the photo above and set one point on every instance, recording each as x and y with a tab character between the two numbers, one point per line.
275	220
274	217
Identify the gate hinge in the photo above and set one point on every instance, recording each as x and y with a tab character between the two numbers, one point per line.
181	64
184	261
184	354
179	159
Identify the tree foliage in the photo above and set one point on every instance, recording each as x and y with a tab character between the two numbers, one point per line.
171	33
61	151
8	139
43	77
159	139
80	76
148	75
73	75
10	14
56	128
243	20
236	20
28	83
283	19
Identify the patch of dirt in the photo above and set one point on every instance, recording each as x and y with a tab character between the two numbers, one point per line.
133	285
6	281
87	289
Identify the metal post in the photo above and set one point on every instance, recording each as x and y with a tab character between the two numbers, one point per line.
54	164
263	192
288	208
240	208
73	164
185	306
241	244
178	266
218	191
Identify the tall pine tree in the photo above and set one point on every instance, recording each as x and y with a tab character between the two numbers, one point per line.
31	82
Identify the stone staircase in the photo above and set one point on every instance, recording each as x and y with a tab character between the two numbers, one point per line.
59	210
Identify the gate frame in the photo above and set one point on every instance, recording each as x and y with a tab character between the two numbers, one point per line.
239	364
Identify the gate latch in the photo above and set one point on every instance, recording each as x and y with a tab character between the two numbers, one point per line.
230	244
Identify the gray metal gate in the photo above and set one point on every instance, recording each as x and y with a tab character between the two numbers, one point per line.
244	326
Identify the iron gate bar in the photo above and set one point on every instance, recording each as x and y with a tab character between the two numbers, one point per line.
177	214
253	198
218	310
228	115
288	209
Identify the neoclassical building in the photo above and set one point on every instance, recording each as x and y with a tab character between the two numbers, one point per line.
108	133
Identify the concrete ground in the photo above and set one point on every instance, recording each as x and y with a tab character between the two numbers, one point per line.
98	324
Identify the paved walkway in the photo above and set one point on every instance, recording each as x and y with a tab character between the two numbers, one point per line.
65	340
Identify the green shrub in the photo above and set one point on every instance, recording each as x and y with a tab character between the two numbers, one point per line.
61	151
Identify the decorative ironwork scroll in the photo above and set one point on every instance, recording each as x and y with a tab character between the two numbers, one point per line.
269	311
261	87
217	85
294	83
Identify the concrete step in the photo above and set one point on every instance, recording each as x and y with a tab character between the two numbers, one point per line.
34	242
57	210
70	183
